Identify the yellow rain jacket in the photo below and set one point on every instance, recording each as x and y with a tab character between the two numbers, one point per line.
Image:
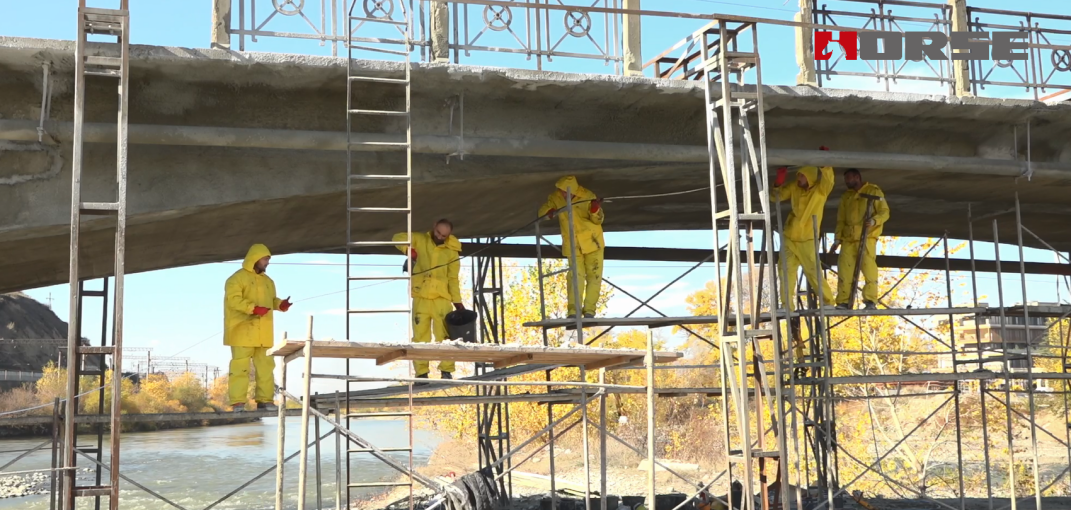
244	290
435	273
852	211
805	202
587	226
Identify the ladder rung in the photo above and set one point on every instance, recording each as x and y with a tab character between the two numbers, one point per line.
365	278
96	349
751	217
379	20
379	209
378	50
378	112
806	365
82	492
741	55
379	484
743	95
378	243
373	79
106	74
758	332
379	415
491	290
404	310
104	62
94	12
380	144
378	177
90	207
385	450
93	293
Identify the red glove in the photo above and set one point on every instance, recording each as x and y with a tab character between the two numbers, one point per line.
782	174
285	304
595	205
823	148
412	253
551	213
459	306
260	311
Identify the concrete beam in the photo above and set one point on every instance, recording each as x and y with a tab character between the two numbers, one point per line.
221	24
440	31
631	30
961	71
805	47
203	136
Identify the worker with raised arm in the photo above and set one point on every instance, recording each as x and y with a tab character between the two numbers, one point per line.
249	301
434	262
862	207
588	216
808	194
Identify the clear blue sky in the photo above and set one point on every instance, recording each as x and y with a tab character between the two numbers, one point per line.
178	311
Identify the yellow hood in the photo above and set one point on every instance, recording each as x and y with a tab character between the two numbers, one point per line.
255	253
567	183
811	173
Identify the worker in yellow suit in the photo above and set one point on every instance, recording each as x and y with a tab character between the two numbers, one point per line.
588	216
851	218
808	195
248	304
434	262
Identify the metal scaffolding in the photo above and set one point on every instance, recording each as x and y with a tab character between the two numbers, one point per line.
779	396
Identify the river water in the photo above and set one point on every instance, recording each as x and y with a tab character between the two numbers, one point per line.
196	467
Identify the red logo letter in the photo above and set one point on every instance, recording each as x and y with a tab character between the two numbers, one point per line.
848	42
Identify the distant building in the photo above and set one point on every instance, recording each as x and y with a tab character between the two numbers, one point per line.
987	338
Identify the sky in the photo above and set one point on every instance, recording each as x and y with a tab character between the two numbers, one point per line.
178	312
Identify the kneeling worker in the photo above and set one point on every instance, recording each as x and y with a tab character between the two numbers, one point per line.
862	207
808	195
434	264
587	232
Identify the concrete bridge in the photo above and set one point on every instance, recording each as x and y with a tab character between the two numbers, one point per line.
230	148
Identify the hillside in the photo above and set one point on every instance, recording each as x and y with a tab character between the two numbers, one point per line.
31	335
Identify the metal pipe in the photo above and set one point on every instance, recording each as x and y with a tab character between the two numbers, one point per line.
280	455
649	362
981	384
1006	364
207	136
1029	349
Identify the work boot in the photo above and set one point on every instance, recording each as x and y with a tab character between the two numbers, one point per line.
869	305
267	406
238	408
589	316
843	306
446	375
421	376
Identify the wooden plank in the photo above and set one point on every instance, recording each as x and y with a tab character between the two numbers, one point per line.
515	360
390	356
609	362
464	352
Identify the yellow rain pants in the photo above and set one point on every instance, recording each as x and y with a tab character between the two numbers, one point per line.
849	253
238	379
428	315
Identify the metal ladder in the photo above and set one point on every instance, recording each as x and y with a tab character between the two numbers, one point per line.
726	69
357	186
110	23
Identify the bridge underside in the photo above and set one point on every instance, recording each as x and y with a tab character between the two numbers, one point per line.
233	148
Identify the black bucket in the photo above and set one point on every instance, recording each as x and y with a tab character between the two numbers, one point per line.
461	325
